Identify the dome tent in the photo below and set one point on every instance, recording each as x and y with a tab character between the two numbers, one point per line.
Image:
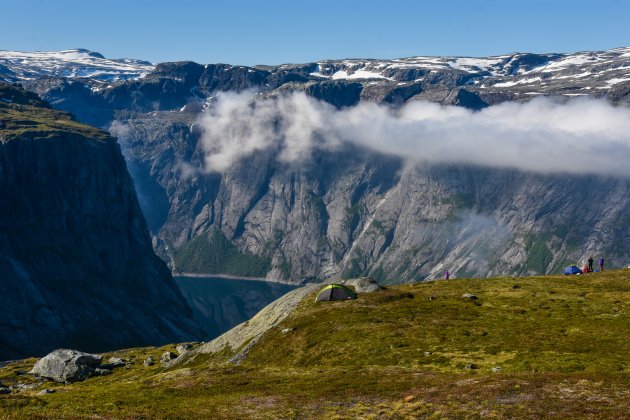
335	292
572	269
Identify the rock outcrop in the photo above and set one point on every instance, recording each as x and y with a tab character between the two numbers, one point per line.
76	262
243	337
363	285
65	365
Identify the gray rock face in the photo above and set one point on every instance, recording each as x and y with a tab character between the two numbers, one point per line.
361	214
76	262
65	365
252	331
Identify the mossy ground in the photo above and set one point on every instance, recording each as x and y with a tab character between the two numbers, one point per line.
562	343
41	123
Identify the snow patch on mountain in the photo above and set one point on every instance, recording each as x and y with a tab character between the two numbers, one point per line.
74	63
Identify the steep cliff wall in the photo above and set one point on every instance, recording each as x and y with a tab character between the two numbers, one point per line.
76	264
352	212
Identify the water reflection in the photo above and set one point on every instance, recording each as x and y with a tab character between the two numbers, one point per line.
221	303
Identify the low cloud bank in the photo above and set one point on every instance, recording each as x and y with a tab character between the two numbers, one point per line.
579	136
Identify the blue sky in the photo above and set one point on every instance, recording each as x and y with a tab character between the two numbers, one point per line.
281	31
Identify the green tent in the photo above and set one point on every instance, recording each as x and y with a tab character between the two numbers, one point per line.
335	292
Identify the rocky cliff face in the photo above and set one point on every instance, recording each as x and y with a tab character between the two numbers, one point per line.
354	212
76	262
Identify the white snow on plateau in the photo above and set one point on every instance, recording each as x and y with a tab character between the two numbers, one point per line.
583	70
518	82
616	80
72	64
359	74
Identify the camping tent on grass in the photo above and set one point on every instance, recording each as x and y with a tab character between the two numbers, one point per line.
335	292
572	270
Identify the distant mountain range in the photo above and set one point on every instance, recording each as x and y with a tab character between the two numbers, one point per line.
355	211
517	76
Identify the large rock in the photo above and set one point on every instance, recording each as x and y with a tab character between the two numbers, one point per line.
64	365
363	285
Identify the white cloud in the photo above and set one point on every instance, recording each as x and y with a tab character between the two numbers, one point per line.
578	136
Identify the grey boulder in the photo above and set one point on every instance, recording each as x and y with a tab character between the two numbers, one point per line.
64	365
46	391
168	356
183	348
363	285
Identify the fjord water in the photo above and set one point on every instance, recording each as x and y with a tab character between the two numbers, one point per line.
220	303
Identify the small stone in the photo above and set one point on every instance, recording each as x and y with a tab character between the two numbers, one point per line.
470	296
102	372
4	390
46	391
471	366
287	330
114	362
168	356
183	348
21	386
149	361
496	369
427	353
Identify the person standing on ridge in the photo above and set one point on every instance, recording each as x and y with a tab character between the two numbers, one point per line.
447	275
601	263
590	264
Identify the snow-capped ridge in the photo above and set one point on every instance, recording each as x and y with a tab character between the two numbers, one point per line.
72	63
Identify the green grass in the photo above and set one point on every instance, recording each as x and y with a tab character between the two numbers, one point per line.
213	253
541	324
41	123
563	345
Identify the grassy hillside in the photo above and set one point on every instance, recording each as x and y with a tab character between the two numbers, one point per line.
549	346
28	121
